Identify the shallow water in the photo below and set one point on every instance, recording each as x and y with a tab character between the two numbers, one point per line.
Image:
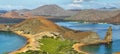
10	42
101	29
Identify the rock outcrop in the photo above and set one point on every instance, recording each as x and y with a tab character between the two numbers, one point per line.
89	37
108	37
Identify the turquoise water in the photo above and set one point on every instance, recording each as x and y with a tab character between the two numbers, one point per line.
101	30
10	42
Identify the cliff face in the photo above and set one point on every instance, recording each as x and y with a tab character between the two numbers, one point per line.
108	36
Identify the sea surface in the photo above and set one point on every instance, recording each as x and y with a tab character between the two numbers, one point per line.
10	42
101	29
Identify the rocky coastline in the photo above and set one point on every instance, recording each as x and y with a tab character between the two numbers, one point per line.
32	43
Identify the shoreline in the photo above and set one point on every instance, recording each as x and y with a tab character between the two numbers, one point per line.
82	21
77	47
29	42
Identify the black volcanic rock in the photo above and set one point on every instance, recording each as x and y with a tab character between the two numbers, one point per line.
51	10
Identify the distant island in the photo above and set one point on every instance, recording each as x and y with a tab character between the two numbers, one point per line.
56	13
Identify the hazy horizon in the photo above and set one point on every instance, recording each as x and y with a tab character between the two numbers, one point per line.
66	4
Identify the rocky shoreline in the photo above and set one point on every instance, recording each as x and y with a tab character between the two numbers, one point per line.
107	40
45	27
31	41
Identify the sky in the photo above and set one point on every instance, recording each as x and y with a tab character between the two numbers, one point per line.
66	4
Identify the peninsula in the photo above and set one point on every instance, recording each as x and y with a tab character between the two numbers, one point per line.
39	27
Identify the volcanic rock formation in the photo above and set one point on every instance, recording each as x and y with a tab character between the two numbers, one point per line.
108	37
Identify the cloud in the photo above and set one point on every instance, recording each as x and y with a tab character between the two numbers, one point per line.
75	5
77	1
94	4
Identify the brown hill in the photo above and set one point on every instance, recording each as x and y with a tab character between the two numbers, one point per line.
14	14
37	25
10	15
114	20
51	10
40	24
94	15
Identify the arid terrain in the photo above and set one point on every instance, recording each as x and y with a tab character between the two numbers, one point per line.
38	27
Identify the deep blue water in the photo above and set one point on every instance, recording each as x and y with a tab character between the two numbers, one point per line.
10	42
101	29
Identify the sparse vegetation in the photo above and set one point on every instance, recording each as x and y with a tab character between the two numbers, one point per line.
53	46
31	52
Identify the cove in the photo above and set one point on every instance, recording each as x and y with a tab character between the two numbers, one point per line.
10	42
101	29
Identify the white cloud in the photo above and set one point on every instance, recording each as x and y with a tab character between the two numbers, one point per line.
77	1
74	5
